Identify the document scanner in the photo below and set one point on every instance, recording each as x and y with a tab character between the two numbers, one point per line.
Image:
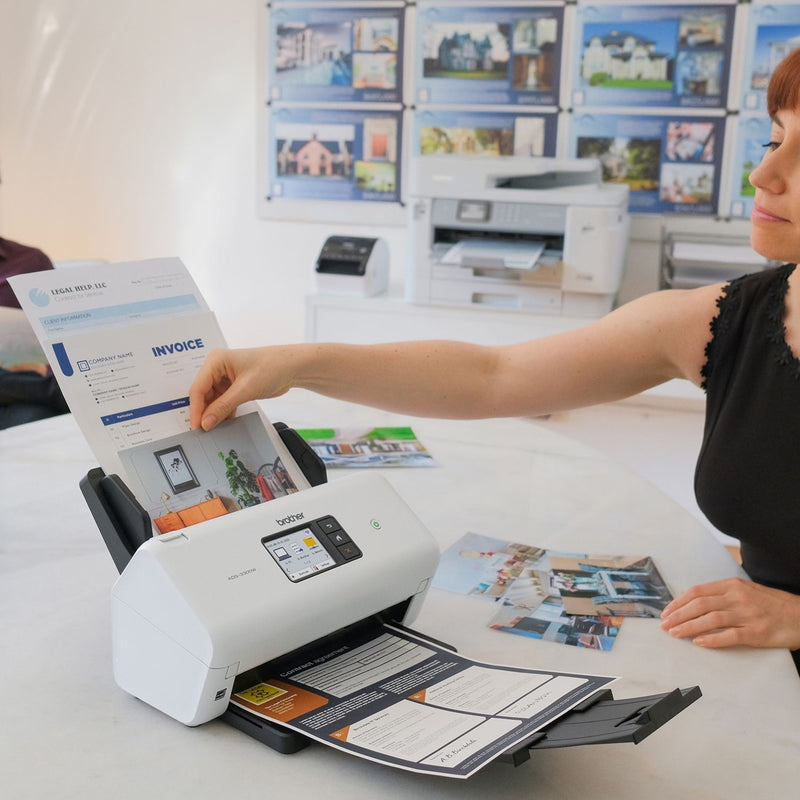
195	608
542	235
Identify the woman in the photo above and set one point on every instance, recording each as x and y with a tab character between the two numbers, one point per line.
738	341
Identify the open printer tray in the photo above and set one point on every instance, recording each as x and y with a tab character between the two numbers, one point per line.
600	719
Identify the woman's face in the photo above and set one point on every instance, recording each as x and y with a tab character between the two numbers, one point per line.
775	230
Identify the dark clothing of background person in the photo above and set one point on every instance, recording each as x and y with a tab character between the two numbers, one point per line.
18	259
28	396
25	395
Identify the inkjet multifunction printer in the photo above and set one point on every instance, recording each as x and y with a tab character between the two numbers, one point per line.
194	609
532	234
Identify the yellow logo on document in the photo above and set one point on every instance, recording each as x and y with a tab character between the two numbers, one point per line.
261	693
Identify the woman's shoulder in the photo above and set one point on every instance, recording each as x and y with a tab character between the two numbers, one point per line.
717	300
755	299
771	279
687	323
764	290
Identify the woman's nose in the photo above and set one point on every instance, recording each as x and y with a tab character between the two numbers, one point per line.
768	175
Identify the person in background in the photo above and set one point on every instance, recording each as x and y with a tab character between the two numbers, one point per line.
28	391
739	341
18	259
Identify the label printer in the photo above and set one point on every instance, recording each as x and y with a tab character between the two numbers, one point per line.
195	609
353	265
541	235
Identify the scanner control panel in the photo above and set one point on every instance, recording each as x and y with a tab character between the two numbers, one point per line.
313	547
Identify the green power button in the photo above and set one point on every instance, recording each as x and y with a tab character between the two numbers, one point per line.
375	524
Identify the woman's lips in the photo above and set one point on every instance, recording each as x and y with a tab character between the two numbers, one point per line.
763	215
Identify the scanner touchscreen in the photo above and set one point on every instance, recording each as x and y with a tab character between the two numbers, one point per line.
308	549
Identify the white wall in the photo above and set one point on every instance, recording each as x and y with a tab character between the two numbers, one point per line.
128	130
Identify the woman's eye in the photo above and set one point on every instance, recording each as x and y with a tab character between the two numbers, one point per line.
770	146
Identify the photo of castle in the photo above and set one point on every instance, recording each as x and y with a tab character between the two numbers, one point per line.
479	51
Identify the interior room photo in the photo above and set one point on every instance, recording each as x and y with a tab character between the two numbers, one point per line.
329	593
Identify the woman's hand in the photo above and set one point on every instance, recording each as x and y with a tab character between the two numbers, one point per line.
229	378
735	612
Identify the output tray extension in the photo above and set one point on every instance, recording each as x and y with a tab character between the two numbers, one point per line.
601	719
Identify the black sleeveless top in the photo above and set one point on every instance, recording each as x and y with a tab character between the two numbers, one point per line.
747	480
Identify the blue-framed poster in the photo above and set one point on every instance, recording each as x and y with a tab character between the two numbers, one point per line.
671	162
648	87
773	31
752	133
674	55
336	54
462	132
332	153
489	54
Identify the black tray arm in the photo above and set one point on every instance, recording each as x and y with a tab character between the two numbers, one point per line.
305	456
123	523
602	720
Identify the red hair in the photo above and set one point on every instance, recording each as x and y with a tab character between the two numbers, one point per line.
784	85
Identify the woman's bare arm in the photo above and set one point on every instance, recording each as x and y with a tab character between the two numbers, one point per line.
641	344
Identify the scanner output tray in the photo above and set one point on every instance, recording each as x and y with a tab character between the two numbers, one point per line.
600	719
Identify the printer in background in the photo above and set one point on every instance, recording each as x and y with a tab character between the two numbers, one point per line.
541	235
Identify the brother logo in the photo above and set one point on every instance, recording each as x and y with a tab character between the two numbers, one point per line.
290	518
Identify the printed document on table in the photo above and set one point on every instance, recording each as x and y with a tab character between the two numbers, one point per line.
360	448
390	696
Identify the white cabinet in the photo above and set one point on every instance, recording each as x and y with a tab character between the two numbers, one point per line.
388	318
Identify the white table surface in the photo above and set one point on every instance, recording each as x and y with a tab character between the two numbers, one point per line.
69	732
